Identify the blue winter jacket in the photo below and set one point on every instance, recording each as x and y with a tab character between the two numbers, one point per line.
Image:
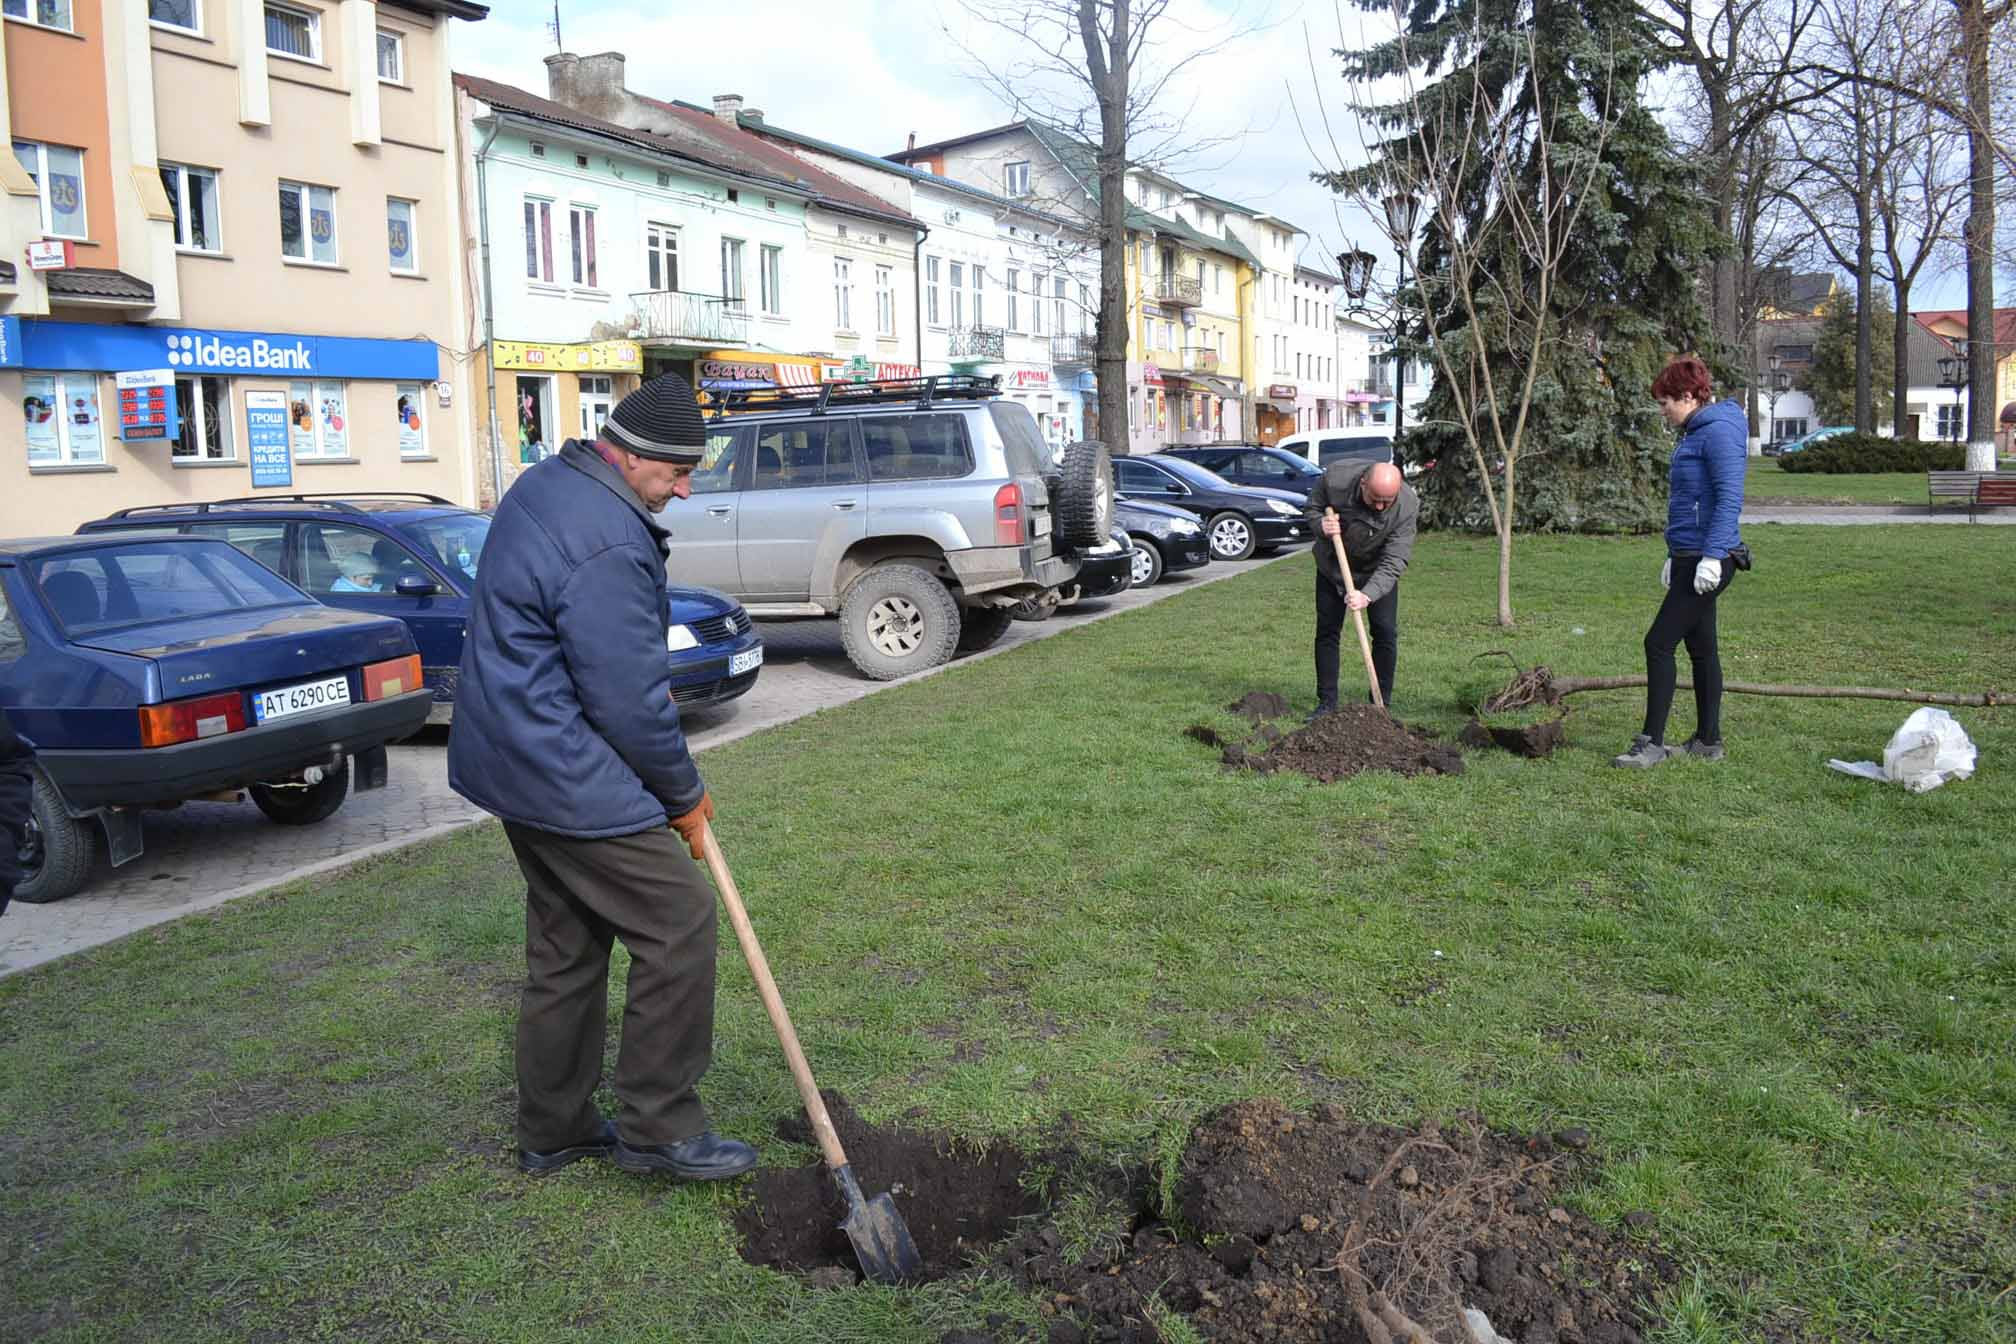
564	718
1707	482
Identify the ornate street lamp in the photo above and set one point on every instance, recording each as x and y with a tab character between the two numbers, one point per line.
1780	381
1356	265
1953	373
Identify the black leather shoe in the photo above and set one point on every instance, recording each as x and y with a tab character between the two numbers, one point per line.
704	1157
540	1164
1322	708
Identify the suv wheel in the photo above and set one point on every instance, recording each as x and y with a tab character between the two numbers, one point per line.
1084	507
1231	535
898	619
303	804
57	850
982	627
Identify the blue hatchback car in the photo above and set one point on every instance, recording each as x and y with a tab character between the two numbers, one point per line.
415	557
150	669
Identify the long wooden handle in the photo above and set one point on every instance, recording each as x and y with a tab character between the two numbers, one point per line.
1357	616
773	1002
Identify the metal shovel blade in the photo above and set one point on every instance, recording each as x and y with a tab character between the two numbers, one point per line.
880	1236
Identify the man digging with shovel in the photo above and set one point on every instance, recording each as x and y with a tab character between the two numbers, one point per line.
1372	509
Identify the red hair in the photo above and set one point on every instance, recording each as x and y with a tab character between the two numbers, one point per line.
1684	377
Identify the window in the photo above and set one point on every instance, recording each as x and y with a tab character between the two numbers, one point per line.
1950	421
885	301
804	454
661	256
726	446
598	397
176	14
1790	428
339	559
1017	178
318	424
59	181
308	223
412	407
915	447
61	411
1057	307
770	275
48	13
192	193
391	57
402	245
294	32
581	245
931	290
1036	304
843	294
205	404
539	241
957	278
1014	300
731	272
1084	310
979	296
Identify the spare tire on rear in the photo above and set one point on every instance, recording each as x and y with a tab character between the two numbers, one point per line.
1083	506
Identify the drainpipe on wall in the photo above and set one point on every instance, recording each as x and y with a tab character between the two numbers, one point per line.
917	291
489	306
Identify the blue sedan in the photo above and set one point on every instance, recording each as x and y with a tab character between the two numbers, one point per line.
416	557
149	669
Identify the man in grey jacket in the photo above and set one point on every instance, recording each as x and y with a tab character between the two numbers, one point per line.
565	728
1376	515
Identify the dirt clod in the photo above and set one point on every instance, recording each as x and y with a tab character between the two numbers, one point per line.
1258	706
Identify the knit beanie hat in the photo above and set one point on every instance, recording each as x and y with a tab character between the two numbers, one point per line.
661	420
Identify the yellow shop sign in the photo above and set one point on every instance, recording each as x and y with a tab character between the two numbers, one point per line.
592	357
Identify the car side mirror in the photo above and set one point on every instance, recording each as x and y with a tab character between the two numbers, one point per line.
416	585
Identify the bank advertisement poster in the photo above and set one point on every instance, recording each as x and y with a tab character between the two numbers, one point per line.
266	439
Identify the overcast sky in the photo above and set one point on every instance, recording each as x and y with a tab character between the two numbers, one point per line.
868	75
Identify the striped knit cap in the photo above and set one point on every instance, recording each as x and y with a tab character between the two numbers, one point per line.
661	419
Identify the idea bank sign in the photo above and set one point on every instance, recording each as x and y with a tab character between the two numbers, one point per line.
110	348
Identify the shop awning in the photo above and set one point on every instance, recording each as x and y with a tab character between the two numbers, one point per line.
1217	387
93	284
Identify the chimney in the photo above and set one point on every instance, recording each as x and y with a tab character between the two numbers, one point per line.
754	114
726	105
913	143
591	84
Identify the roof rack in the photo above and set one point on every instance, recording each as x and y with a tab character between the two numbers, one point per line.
335	499
879	391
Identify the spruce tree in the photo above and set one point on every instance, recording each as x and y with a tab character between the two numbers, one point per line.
1832	377
1626	297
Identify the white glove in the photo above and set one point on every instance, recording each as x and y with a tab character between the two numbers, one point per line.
1706	575
1666	573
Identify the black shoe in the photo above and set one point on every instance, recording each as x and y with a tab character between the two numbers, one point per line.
541	1164
704	1157
1322	707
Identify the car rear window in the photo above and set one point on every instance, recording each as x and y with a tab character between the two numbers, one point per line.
1021	441
105	588
917	447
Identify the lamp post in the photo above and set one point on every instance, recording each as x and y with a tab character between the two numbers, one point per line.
1356	266
1780	381
1953	373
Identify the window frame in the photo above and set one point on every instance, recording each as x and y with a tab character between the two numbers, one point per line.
931	310
412	235
736	295
843	294
583	264
321	434
398	75
196	416
1014	290
66	450
1015	183
195	13
33	21
40	173
538	211
308	258
770	279
179	199
885	301
419	404
661	253
314	20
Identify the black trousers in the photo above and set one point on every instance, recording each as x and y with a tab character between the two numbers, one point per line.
1689	617
580	896
1331	613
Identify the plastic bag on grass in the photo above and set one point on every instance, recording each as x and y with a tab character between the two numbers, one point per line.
1928	750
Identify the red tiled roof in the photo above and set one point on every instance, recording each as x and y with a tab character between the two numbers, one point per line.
767	157
2005	323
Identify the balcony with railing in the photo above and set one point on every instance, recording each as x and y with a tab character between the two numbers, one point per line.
1182	290
697	319
1199	359
979	343
1073	352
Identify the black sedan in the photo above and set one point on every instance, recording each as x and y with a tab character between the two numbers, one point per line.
1239	520
1248	464
1166	539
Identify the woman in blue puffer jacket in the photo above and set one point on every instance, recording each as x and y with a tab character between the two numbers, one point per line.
1706	499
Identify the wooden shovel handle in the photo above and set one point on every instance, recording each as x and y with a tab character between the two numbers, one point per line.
773	1002
1357	616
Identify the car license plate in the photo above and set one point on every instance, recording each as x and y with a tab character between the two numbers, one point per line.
291	700
746	661
1040	525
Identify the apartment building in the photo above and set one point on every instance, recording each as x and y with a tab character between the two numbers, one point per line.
1311	323
245	271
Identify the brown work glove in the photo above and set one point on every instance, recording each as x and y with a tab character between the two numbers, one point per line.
690	824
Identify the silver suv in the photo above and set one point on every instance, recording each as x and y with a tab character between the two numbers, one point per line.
920	511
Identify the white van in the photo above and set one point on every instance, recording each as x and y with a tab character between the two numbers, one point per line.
1325	446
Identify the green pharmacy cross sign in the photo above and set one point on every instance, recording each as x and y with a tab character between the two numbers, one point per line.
859	369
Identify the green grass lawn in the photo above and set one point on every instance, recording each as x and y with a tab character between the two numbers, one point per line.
1783	1000
1768	483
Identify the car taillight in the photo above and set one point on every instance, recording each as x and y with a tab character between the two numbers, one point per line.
1008	529
188	720
395	676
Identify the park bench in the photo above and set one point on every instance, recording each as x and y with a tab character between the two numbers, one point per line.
1950	485
1993	489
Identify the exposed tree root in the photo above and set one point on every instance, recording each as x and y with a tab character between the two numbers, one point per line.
1539	685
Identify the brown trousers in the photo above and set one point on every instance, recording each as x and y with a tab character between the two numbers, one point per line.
581	895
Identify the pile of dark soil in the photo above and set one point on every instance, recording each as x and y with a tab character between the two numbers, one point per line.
1286	1227
1331	747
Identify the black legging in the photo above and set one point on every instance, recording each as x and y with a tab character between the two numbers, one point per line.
1382	616
1687	616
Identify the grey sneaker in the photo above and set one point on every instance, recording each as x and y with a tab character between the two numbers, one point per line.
1644	754
1703	751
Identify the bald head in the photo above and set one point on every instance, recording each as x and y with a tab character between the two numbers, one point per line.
1380	486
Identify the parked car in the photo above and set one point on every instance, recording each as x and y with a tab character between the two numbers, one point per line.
920	511
1166	539
1239	520
1103	571
1247	464
416	557
152	669
1811	437
1325	446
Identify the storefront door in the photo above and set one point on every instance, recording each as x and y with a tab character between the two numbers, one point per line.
535	418
598	395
